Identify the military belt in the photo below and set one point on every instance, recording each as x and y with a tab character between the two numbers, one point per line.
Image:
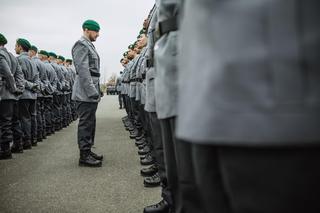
94	74
166	26
149	63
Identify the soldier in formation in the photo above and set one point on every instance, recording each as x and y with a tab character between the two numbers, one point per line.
35	96
248	139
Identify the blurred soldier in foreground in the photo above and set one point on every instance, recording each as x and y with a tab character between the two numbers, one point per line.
86	91
253	125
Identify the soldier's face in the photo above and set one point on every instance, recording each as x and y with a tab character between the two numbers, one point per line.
31	53
142	42
17	49
92	35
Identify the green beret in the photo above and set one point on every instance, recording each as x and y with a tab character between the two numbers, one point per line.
43	52
24	43
91	25
143	31
34	48
69	60
131	46
61	58
52	54
3	40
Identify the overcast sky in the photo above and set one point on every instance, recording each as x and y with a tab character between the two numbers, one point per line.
56	25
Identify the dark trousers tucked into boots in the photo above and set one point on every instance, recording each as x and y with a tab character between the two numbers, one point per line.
57	112
252	179
170	153
120	100
41	124
16	127
49	119
27	110
158	154
6	135
87	124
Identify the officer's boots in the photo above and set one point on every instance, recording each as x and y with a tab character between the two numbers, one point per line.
5	152
87	159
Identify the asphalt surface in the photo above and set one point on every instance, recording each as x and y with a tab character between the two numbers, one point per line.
48	178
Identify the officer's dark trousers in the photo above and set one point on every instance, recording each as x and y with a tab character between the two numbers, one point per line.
170	153
27	110
49	119
264	180
87	124
120	100
41	124
158	154
6	136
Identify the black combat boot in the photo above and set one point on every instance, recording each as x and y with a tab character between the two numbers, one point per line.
27	144
87	160
17	147
146	149
150	171
5	152
161	207
148	160
152	181
95	156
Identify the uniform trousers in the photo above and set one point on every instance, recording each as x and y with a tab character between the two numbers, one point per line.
256	179
87	124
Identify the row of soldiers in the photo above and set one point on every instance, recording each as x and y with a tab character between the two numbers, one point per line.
35	96
247	140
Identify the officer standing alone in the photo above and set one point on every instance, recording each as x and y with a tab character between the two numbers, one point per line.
86	91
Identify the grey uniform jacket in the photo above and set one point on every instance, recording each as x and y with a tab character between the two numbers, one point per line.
126	78
31	76
61	80
133	68
143	70
165	57
86	88
119	84
256	65
139	74
52	78
11	75
43	83
150	102
67	79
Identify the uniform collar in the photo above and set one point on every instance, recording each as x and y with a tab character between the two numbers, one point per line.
24	53
90	42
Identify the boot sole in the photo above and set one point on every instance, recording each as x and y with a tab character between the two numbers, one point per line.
150	186
89	165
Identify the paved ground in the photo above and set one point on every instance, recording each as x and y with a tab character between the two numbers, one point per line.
48	179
